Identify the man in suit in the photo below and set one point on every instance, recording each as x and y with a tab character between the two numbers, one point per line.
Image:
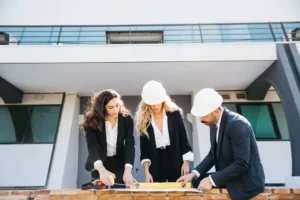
233	151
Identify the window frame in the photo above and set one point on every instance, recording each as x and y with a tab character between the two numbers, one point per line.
272	116
110	33
28	121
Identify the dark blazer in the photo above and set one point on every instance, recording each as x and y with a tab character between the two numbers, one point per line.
178	143
97	145
236	158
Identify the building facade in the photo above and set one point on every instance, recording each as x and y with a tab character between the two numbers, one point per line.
55	54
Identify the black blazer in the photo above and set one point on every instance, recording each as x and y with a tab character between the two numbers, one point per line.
236	158
97	145
178	143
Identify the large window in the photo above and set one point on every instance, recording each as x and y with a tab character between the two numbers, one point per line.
29	124
267	119
167	34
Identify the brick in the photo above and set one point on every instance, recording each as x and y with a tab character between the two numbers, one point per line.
176	193
81	198
56	198
42	192
55	192
261	197
224	191
216	196
267	190
69	192
20	193
184	198
42	198
123	193
281	191
212	191
4	193
150	198
48	198
139	193
284	197
108	197
86	192
295	191
193	193
104	192
158	193
14	197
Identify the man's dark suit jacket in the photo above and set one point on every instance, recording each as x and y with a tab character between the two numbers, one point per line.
235	157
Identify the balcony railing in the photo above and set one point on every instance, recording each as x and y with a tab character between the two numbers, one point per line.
171	34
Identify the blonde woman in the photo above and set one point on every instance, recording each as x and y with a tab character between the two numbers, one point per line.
108	128
165	150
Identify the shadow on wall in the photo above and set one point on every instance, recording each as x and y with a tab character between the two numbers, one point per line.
131	102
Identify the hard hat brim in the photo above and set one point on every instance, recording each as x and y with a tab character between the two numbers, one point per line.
152	101
203	112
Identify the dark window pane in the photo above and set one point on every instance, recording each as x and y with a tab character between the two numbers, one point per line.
28	124
281	120
230	106
44	121
7	130
260	119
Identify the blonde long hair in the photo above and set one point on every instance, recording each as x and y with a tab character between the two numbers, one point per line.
143	114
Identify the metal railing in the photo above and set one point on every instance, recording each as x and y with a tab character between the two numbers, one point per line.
171	34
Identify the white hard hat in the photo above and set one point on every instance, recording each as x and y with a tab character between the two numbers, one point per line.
153	93
205	102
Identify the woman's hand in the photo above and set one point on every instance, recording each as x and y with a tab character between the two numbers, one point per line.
185	169
127	177
106	176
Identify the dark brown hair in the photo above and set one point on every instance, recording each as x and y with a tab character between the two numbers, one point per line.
95	114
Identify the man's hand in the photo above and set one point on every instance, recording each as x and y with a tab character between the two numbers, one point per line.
205	184
186	178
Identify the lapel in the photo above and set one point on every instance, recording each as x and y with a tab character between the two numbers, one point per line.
170	126
120	132
221	130
152	139
213	131
102	135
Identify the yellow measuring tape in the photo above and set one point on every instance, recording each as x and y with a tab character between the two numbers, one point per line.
164	185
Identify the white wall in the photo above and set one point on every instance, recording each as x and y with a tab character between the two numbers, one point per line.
22	166
276	159
64	168
75	12
298	46
138	53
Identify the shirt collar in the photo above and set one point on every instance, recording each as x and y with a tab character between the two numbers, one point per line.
107	123
220	118
164	115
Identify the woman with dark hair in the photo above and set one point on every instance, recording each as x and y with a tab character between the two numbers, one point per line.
108	128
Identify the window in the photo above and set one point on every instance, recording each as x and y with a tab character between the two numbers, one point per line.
135	37
281	120
29	124
260	119
230	106
293	31
267	119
